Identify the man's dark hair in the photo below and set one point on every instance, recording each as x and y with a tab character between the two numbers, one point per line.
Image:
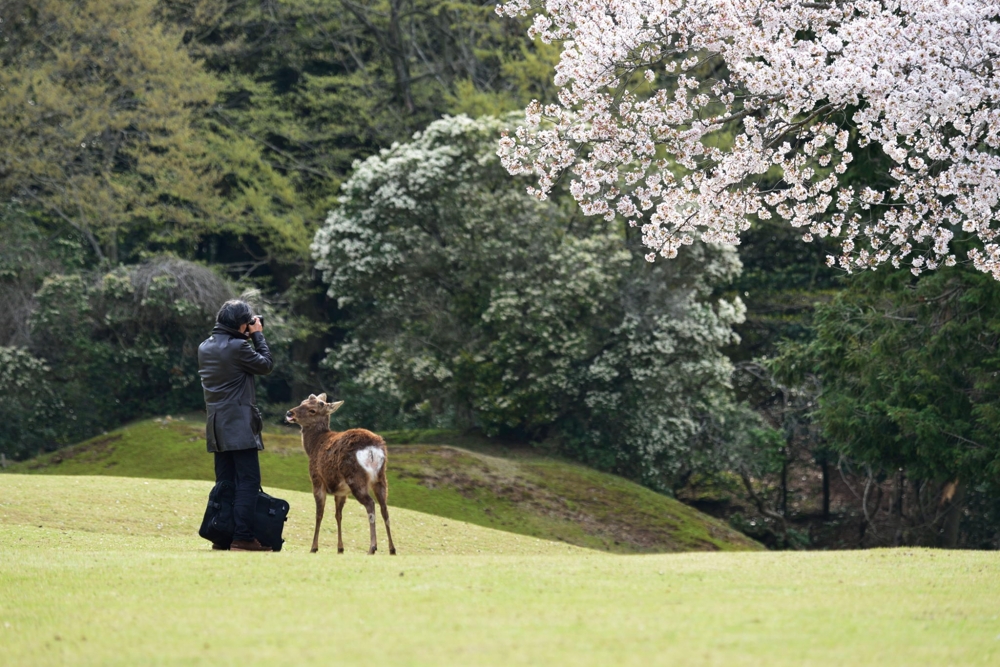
234	314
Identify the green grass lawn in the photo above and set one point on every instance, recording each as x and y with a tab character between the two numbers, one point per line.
108	571
460	478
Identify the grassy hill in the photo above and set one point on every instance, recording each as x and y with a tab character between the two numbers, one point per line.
438	473
107	571
75	509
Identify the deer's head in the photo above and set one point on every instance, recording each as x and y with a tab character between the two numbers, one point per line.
313	410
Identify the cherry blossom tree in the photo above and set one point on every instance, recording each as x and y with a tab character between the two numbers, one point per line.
692	118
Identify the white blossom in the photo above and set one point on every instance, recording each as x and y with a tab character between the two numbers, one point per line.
761	103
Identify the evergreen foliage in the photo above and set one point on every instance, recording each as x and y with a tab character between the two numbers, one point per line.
908	369
317	85
101	118
908	372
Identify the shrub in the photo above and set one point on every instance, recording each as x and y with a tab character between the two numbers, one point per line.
29	408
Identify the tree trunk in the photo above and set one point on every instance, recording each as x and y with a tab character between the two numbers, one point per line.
112	252
397	52
784	483
952	514
825	467
899	485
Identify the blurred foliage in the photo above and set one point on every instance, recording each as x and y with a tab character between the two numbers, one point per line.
210	131
30	409
86	349
318	84
184	116
782	281
102	122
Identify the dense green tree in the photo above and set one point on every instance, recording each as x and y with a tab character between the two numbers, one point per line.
118	344
909	374
319	84
102	122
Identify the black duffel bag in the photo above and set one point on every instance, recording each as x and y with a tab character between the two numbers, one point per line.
219	524
269	517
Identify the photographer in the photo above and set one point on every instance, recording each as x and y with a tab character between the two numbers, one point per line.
227	363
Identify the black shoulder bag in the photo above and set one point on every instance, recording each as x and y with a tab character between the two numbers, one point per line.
269	517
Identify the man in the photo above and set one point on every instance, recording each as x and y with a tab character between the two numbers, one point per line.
227	363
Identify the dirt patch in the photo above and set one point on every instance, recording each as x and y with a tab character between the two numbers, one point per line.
92	451
593	510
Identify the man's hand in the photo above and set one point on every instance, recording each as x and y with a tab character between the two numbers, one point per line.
255	326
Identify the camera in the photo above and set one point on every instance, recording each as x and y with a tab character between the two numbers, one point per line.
258	318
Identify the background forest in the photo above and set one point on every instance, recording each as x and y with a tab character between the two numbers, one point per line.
335	162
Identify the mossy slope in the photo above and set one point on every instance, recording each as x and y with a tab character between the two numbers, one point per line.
516	492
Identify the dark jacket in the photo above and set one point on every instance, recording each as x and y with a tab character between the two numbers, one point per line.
227	364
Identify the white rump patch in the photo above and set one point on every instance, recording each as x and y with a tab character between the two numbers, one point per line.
371	459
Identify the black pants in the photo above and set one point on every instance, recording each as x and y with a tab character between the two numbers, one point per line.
242	469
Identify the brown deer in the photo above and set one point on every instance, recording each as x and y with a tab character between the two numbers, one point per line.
349	461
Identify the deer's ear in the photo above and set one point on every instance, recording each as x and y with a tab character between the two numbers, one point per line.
311	396
333	407
321	398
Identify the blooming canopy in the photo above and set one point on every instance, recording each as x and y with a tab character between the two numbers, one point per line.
691	117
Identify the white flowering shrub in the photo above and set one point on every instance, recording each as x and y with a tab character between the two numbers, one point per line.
692	118
471	303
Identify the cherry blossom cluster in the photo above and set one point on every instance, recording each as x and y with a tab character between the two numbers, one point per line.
691	118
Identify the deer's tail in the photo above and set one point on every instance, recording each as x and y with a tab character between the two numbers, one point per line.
371	460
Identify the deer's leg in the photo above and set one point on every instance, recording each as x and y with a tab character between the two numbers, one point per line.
319	493
365	499
382	494
340	500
